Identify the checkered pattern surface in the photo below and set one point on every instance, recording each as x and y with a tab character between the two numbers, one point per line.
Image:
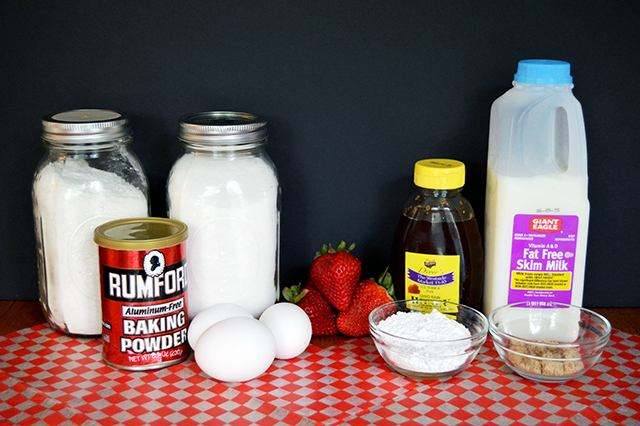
50	379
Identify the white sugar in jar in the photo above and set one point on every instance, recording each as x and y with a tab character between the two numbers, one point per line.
225	187
88	176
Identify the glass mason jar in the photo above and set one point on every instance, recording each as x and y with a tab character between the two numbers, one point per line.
225	188
88	176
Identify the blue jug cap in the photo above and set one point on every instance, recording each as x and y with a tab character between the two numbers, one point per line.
543	71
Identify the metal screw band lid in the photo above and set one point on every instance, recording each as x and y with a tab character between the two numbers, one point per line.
222	128
85	126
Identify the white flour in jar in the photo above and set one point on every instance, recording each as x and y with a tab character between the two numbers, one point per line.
72	200
423	356
231	210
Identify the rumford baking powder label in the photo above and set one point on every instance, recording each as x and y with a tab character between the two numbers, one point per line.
144	305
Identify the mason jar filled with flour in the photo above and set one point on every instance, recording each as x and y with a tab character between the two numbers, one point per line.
88	176
225	188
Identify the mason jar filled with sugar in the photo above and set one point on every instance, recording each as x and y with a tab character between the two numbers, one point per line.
88	176
225	188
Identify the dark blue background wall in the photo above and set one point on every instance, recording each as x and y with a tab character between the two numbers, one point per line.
355	92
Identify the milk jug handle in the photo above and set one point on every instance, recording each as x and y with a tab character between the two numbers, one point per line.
560	122
577	163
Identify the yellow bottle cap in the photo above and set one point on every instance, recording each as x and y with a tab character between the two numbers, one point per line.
439	173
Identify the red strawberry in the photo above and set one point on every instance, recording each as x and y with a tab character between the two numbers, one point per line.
319	311
309	284
335	274
354	321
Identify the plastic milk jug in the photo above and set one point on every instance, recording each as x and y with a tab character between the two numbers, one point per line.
537	210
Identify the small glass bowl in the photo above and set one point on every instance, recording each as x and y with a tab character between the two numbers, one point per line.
429	359
553	343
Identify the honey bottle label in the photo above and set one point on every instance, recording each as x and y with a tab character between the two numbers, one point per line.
432	277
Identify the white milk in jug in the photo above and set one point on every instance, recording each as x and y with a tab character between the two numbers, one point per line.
537	210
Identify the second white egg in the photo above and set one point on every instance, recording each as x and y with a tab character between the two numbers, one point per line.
211	315
236	349
291	327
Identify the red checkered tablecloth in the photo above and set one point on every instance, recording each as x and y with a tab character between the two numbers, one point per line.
50	379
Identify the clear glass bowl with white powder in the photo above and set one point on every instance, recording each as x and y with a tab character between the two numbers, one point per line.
88	176
427	339
225	187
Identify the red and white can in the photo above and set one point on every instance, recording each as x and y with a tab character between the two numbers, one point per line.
143	276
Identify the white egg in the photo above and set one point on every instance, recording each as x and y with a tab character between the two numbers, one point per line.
211	315
236	349
291	327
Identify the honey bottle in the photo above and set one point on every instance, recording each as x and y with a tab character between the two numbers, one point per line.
437	250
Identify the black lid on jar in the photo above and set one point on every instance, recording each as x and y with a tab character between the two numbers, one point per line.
85	126
222	128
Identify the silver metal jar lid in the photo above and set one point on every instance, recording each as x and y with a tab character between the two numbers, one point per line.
222	128
85	126
140	233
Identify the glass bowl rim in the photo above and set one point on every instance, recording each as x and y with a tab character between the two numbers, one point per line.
494	330
481	334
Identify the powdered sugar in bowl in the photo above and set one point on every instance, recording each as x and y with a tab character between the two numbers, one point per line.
427	339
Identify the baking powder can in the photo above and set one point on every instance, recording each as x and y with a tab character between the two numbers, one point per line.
143	276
